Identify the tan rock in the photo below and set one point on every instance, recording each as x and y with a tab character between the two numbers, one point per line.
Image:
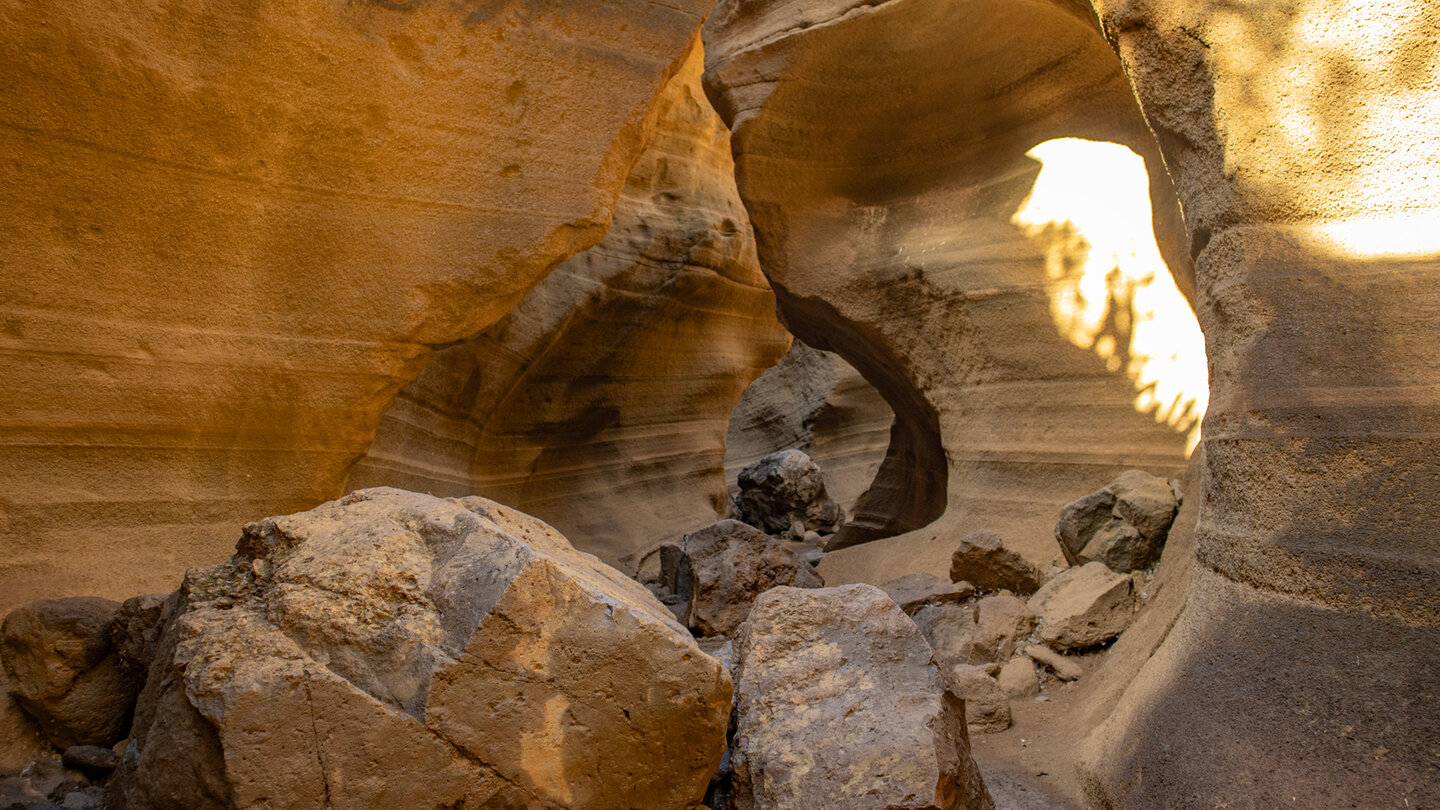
64	671
983	560
950	631
987	709
728	565
1064	668
1018	679
600	404
1084	607
246	224
1001	622
460	643
839	706
914	591
1123	525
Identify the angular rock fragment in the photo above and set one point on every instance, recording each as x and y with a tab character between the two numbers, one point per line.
982	560
1123	525
839	706
457	642
1084	607
950	631
136	627
726	565
1001	621
64	671
987	709
783	489
914	591
1018	678
1064	668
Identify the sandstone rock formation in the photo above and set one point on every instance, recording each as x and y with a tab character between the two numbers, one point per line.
243	226
601	403
727	565
982	560
64	670
882	192
784	493
460	643
816	402
1122	525
1018	679
878	728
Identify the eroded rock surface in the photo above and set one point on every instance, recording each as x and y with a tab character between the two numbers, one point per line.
784	493
983	560
1123	525
1084	607
64	670
460	643
727	566
915	591
245	224
878	728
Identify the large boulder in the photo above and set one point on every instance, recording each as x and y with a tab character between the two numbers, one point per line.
783	489
839	706
64	671
983	560
1123	525
1084	607
457	643
726	566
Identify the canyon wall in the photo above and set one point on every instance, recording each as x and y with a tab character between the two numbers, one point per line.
601	402
232	231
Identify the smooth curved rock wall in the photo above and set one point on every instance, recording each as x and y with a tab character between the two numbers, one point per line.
601	403
232	231
883	167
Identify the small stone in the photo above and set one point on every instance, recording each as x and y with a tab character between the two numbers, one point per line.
1018	678
813	539
1084	607
982	560
1064	668
914	591
950	630
987	710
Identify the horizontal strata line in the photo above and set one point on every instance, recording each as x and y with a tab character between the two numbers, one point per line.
391	464
294	188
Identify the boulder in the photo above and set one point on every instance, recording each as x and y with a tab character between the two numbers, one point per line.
783	489
1084	607
914	591
950	631
839	706
983	560
1001	621
1018	678
1123	525
987	709
729	564
136	627
64	671
458	642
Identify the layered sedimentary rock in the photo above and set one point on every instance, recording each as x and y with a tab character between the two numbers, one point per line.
1301	138
602	401
884	190
816	402
232	230
392	649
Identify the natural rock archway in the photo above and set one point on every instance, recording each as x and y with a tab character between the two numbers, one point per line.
235	229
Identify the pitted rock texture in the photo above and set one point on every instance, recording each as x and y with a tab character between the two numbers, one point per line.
815	402
882	192
460	643
729	564
877	729
786	490
601	403
245	224
65	673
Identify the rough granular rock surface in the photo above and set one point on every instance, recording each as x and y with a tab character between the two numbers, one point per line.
1084	607
983	560
783	489
1123	525
729	564
840	706
458	642
64	672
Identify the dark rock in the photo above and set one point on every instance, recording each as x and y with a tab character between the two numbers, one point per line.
784	489
982	560
92	760
136	627
729	565
1123	525
64	670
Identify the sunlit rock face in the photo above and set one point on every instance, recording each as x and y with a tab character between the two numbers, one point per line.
602	401
816	402
1301	138
885	154
235	228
